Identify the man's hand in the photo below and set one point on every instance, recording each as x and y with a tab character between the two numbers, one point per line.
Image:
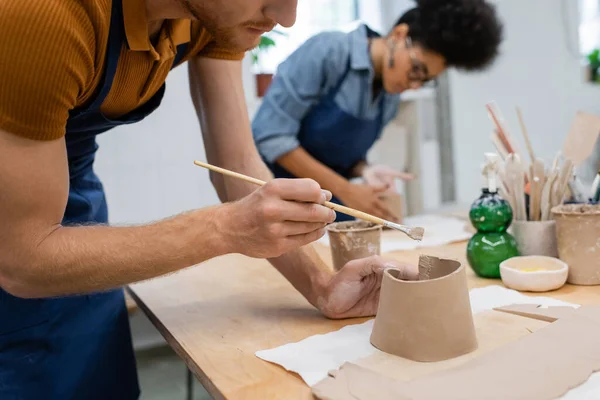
366	199
354	290
382	177
283	215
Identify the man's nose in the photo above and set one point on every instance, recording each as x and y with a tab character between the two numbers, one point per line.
282	11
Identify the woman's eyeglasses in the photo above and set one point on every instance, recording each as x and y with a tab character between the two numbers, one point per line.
419	72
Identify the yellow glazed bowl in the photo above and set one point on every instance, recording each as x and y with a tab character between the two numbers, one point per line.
534	273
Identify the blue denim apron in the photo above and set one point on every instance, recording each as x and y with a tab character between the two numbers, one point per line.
76	347
336	138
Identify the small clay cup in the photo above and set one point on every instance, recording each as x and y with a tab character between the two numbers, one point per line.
351	240
393	201
535	238
578	237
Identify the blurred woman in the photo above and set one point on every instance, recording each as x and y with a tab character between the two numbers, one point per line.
331	99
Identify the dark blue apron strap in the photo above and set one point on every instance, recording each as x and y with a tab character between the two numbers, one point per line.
181	50
381	110
116	38
338	85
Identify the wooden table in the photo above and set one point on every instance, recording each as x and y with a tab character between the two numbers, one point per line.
218	314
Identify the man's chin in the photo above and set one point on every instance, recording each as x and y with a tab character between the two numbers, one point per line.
239	42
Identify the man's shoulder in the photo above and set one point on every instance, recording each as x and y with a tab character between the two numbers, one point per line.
30	11
57	17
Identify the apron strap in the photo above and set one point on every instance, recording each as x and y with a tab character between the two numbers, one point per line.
338	85
181	50
381	111
115	43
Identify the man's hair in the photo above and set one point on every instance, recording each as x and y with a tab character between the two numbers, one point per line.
467	33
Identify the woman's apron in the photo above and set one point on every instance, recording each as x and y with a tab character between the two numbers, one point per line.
336	138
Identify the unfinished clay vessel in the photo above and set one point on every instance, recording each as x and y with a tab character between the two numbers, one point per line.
351	240
429	319
393	201
535	238
578	237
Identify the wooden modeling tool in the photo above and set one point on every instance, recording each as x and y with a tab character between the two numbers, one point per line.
514	176
526	135
415	233
499	145
538	179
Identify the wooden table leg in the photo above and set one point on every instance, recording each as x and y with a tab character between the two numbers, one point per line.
190	385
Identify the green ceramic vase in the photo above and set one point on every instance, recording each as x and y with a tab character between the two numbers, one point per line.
491	215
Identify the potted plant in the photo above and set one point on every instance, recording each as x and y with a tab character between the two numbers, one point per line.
263	79
593	60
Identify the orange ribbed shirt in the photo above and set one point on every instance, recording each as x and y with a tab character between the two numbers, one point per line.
52	58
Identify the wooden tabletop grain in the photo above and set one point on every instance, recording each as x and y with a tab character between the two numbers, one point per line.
218	314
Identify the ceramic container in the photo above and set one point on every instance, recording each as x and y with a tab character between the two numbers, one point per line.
535	238
534	273
578	239
429	319
351	240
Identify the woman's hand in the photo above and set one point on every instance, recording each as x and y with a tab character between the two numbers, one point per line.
366	199
382	177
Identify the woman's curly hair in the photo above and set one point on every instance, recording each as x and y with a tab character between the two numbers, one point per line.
467	33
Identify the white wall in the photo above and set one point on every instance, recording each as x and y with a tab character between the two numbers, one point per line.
391	11
148	171
147	168
539	70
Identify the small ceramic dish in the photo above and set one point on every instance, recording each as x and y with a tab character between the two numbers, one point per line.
534	273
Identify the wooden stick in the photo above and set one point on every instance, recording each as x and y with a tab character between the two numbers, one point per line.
414	233
538	179
499	145
500	129
526	135
565	175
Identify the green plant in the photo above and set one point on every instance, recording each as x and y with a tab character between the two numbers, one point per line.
265	42
594	62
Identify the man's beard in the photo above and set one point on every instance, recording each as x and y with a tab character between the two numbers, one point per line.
226	38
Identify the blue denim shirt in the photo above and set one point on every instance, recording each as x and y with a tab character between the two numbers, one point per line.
307	76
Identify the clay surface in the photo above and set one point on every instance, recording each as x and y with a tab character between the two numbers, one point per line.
353	240
535	238
543	365
429	319
578	237
549	314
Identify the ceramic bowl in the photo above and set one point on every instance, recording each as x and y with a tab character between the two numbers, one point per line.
534	273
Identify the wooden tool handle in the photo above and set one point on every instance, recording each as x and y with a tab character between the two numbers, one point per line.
230	173
345	210
355	213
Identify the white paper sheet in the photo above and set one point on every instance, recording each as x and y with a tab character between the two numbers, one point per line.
439	231
314	357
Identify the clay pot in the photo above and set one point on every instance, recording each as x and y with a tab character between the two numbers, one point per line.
351	240
263	81
535	238
578	237
393	201
429	319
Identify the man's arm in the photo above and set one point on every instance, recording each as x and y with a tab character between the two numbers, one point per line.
39	257
217	92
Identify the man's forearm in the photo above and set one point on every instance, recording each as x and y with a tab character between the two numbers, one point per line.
218	94
71	260
303	267
301	164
